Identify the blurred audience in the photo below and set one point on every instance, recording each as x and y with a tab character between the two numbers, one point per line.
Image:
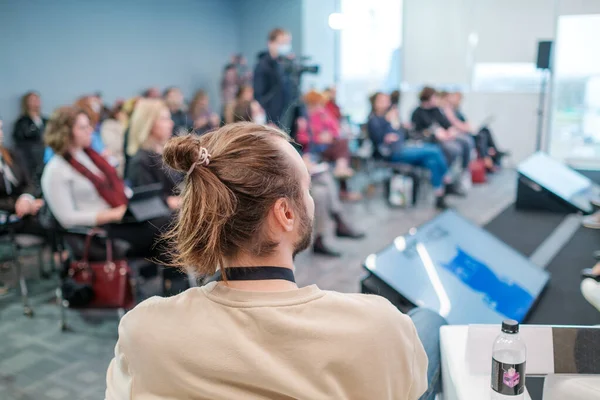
150	129
235	75
249	111
174	99
324	138
201	115
83	190
390	145
17	191
152	93
484	139
112	132
331	105
28	135
429	120
244	94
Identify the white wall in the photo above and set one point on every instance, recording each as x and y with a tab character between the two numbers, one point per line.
318	42
443	40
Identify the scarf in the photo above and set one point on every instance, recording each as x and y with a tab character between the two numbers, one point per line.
109	186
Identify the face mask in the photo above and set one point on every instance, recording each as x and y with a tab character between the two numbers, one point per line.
284	49
260	119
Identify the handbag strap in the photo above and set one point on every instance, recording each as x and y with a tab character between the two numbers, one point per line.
88	243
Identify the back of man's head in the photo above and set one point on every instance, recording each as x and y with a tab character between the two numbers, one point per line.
237	177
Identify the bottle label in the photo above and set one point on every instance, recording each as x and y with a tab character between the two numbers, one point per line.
508	379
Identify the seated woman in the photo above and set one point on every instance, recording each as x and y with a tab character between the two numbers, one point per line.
150	128
389	144
484	140
325	138
324	191
83	190
244	94
28	135
92	109
112	132
202	116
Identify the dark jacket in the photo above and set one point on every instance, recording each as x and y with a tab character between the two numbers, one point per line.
271	87
23	186
426	118
147	168
29	141
182	124
377	128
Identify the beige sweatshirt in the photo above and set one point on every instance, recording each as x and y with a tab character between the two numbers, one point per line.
219	343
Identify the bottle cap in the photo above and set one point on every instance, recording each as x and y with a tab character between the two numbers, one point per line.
510	326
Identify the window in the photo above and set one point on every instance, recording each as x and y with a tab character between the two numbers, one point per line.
370	51
507	77
575	128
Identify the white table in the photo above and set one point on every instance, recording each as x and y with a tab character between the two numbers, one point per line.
458	383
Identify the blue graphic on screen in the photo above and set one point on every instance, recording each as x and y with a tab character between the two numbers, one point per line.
461	271
506	297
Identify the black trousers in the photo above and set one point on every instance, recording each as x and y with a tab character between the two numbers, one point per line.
144	238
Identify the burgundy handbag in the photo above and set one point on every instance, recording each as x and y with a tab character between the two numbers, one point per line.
110	280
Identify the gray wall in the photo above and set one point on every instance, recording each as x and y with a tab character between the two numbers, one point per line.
66	48
258	17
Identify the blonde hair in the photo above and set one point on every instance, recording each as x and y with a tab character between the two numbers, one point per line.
145	114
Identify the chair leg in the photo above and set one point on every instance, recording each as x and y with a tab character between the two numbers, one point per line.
27	310
62	305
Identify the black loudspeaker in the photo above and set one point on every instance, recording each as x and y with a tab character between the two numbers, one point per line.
531	196
544	55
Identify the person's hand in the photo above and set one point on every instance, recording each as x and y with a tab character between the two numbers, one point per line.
116	214
391	138
37	205
174	202
326	138
215	120
200	122
23	206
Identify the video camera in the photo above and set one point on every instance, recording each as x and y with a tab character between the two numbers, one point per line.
296	67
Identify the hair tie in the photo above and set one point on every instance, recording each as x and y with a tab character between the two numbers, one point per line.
203	160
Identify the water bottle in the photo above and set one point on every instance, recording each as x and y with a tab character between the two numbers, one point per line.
508	363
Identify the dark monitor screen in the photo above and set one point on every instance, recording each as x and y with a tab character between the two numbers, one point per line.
460	270
559	179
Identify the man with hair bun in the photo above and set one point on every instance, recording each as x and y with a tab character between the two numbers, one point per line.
254	334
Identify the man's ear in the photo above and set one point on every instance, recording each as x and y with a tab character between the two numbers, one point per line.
284	214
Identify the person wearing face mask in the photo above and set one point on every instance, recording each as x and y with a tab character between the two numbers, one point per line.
272	86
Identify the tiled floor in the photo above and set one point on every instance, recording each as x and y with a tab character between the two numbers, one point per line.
39	362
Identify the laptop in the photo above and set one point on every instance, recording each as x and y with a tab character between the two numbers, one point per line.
145	204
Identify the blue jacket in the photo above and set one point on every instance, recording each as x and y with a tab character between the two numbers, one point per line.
378	127
271	87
